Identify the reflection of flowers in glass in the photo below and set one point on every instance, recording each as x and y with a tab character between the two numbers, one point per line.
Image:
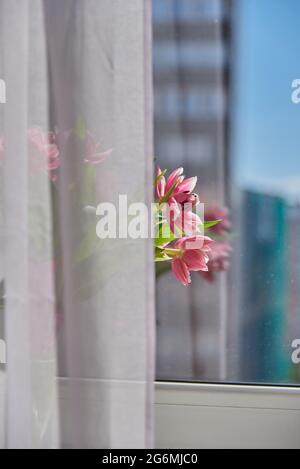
45	153
215	212
219	259
46	146
42	149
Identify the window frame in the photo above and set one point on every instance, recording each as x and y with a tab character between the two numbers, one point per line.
217	416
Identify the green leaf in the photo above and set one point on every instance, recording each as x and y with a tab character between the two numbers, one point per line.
209	224
160	222
161	256
161	239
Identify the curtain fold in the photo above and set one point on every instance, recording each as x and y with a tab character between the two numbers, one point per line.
78	311
27	238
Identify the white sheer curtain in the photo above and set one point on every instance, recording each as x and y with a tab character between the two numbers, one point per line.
78	311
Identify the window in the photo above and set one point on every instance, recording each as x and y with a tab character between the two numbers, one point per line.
186	10
234	124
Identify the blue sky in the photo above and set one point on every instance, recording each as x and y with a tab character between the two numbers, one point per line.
266	122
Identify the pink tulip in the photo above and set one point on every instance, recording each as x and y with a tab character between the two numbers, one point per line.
181	201
176	181
190	254
94	154
186	186
181	271
45	144
184	198
219	259
184	220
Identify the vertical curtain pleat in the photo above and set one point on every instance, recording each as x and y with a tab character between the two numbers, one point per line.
16	260
150	284
28	275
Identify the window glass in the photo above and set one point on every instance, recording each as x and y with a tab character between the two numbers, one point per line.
204	10
227	109
186	9
170	55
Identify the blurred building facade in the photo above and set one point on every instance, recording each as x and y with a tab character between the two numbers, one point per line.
265	289
192	83
192	42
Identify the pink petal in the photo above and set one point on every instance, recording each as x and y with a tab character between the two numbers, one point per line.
190	222
195	260
173	177
179	243
198	242
173	212
188	185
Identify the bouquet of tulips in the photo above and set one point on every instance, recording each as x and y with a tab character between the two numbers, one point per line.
180	226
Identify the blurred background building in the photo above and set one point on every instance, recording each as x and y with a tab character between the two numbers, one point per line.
192	81
265	288
192	42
